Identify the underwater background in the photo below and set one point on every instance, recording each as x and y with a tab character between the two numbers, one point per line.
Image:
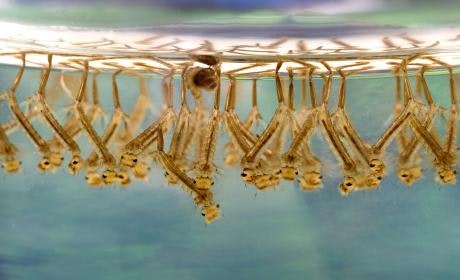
53	226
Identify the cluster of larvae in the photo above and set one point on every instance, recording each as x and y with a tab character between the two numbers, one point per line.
267	154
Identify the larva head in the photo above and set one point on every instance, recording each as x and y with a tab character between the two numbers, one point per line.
262	182
447	176
373	181
210	213
347	186
141	170
289	173
56	159
310	181
377	167
123	179
12	165
276	177
203	183
409	175
248	174
109	177
93	179
128	160
45	164
75	164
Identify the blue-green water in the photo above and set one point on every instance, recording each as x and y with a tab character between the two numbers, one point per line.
53	226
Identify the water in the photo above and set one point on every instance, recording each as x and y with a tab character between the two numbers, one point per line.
54	226
57	228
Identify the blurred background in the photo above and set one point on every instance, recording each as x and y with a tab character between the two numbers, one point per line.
346	5
123	13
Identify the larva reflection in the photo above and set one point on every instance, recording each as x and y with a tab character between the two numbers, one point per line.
182	140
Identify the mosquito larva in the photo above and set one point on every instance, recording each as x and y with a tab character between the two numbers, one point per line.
409	170
445	160
92	162
210	210
252	120
8	150
373	160
445	157
242	136
298	156
117	117
137	145
130	125
76	162
205	167
354	178
249	158
109	176
180	141
49	159
276	156
139	111
299	152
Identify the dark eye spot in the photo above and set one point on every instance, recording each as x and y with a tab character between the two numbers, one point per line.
121	176
104	176
348	184
442	176
62	158
297	173
372	165
122	157
379	178
217	205
244	174
135	160
455	172
212	183
194	181
404	175
86	178
46	163
321	177
74	162
203	214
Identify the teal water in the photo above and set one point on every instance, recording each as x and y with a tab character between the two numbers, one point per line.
53	226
